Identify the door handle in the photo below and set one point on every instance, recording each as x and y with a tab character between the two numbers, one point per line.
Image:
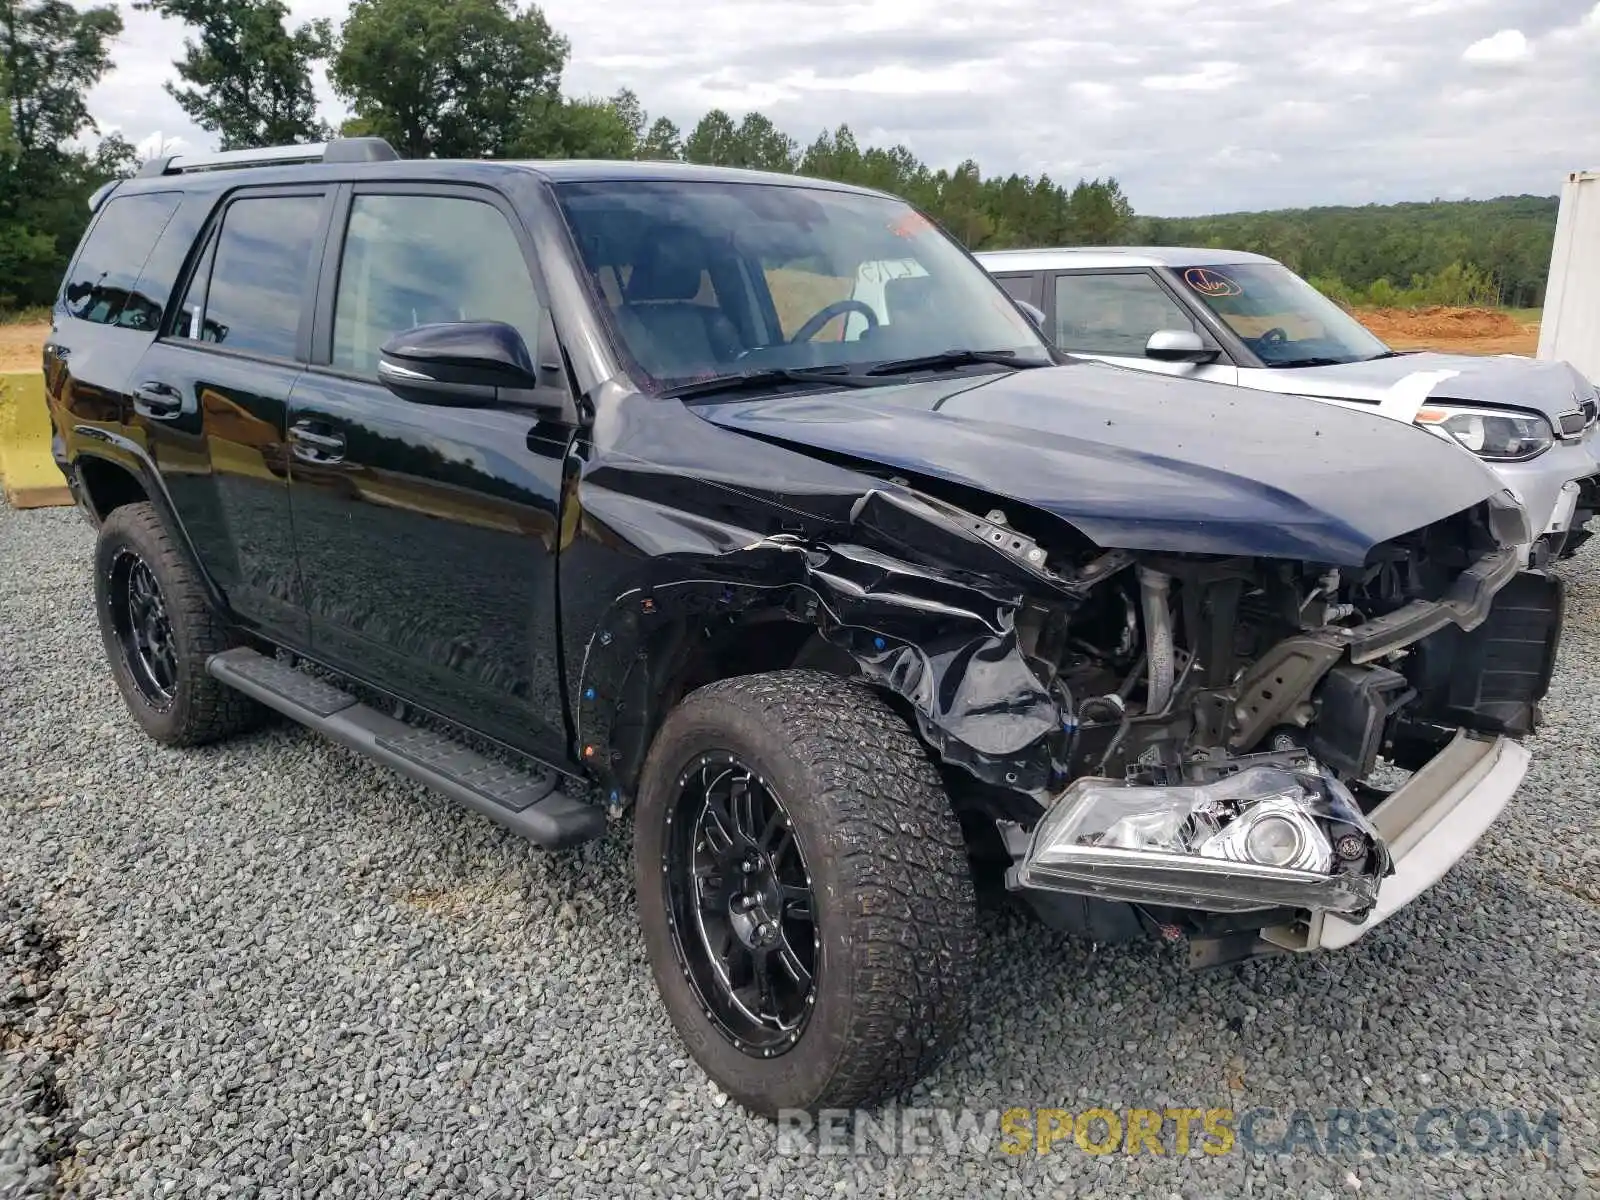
158	400
312	445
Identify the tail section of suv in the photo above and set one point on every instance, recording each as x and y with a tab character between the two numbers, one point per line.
575	490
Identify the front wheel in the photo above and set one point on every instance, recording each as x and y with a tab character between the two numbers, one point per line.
804	891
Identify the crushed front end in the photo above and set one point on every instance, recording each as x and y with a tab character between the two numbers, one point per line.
1267	755
1256	752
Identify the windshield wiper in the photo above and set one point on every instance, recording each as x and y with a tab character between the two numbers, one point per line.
954	358
838	375
1313	361
751	381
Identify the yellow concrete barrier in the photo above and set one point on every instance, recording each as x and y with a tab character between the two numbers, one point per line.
30	476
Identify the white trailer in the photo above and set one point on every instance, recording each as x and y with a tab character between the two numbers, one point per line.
1571	325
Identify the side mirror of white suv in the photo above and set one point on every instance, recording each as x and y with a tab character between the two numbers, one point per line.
1179	345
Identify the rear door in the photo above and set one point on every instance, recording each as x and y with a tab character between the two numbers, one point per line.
427	533
111	303
213	394
1110	315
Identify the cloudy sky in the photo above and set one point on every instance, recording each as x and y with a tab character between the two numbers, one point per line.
1196	106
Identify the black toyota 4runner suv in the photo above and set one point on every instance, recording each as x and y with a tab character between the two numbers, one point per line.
576	490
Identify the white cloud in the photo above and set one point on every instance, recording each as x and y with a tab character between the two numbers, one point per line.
1097	95
1585	29
155	144
1507	46
1207	77
1333	102
895	79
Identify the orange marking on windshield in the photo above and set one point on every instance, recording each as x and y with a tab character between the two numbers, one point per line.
1211	283
911	225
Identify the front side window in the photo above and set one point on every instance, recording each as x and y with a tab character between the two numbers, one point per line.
418	260
1113	314
706	278
1282	319
105	276
252	284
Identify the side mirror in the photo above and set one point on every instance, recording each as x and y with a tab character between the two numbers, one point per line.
1034	313
1179	345
465	363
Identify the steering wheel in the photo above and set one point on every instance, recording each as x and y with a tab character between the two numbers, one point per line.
1272	338
828	312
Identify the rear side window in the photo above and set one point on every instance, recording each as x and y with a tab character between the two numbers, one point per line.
250	289
417	260
105	277
1113	314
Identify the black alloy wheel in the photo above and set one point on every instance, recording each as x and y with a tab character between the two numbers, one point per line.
741	908
159	628
804	891
143	629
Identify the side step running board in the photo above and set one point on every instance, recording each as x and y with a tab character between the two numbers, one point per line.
523	801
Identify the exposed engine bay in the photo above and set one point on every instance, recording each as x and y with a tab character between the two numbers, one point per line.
1170	663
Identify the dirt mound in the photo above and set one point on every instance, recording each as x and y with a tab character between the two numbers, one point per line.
22	347
1437	322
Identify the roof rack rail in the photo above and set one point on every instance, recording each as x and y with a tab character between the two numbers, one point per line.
340	150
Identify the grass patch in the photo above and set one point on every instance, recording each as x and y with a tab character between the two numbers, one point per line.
37	315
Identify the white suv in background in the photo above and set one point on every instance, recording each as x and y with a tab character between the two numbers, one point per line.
1232	317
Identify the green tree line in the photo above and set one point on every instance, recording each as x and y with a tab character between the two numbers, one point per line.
1443	252
482	79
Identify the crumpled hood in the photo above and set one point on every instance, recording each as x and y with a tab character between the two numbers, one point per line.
1406	382
1145	462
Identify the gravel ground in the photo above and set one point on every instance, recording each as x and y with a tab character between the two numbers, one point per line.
271	969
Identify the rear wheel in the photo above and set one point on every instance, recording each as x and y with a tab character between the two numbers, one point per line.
804	891
159	629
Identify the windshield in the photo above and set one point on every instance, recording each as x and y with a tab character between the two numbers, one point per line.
1283	319
708	279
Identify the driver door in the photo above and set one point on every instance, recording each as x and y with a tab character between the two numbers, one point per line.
427	534
1110	315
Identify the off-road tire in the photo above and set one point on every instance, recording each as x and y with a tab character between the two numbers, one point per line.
201	709
893	892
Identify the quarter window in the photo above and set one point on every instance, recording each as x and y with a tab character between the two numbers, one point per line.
252	285
1113	314
1020	287
105	277
417	260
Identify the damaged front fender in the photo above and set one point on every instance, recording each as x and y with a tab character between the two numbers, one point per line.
943	642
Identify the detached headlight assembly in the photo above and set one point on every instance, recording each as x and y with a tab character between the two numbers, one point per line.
1495	435
1263	815
1263	836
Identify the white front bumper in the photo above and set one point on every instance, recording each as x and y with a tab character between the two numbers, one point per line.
1428	826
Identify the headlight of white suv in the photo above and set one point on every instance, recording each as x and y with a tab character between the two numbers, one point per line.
1493	434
